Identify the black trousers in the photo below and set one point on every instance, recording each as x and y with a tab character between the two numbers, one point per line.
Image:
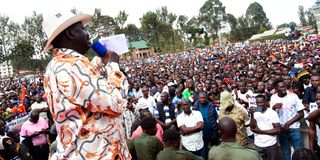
269	153
40	152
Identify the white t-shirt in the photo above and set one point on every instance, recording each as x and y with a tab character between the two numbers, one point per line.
291	104
40	105
149	102
193	141
264	122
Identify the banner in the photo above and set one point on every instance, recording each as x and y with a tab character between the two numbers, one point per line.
17	123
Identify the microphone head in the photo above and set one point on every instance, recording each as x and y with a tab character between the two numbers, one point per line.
99	48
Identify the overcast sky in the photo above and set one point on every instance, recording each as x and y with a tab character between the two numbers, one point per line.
278	11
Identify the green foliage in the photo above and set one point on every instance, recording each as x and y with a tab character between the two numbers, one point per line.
302	17
158	31
21	56
121	18
253	22
8	32
101	25
212	15
311	19
132	32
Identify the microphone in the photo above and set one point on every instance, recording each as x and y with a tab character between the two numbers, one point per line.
99	48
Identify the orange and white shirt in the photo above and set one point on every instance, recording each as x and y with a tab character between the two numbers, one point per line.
86	107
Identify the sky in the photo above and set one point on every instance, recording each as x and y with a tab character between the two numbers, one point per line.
278	11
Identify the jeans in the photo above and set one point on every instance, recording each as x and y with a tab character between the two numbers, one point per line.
294	138
201	152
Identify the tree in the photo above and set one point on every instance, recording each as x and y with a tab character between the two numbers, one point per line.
21	57
121	18
182	27
244	30
8	33
32	28
149	26
132	32
302	17
311	19
257	18
212	16
233	23
101	25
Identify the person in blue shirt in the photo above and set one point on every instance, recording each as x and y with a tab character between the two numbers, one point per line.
177	99
210	116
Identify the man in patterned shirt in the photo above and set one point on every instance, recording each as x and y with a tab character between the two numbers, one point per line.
85	105
229	109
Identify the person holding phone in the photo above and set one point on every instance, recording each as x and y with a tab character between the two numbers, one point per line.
265	124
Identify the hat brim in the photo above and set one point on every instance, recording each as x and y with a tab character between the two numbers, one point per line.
83	18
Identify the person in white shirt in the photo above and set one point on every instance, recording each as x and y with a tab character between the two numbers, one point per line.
146	100
290	110
41	107
190	123
265	124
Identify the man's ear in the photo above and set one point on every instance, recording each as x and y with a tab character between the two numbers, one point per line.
69	35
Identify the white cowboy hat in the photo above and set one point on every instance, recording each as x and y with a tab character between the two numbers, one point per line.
54	24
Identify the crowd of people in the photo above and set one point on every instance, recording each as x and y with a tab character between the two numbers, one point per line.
245	103
270	91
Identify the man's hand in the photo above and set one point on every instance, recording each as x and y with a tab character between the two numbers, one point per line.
252	110
110	57
286	127
277	106
253	123
256	130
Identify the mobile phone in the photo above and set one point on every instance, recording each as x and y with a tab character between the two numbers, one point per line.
258	109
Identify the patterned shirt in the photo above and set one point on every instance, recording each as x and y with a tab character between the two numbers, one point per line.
241	119
86	107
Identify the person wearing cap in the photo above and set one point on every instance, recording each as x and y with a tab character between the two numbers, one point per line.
304	77
228	108
85	105
147	146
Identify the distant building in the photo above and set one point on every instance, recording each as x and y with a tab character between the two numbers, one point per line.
6	70
140	49
316	10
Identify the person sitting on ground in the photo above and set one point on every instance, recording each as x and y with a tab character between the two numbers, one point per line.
171	150
229	149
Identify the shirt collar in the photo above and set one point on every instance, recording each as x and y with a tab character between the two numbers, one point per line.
64	51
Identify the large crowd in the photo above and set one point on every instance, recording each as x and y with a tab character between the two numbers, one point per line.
254	101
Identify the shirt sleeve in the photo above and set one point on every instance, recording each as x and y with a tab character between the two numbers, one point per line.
23	131
274	117
299	106
272	101
199	117
84	86
179	120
